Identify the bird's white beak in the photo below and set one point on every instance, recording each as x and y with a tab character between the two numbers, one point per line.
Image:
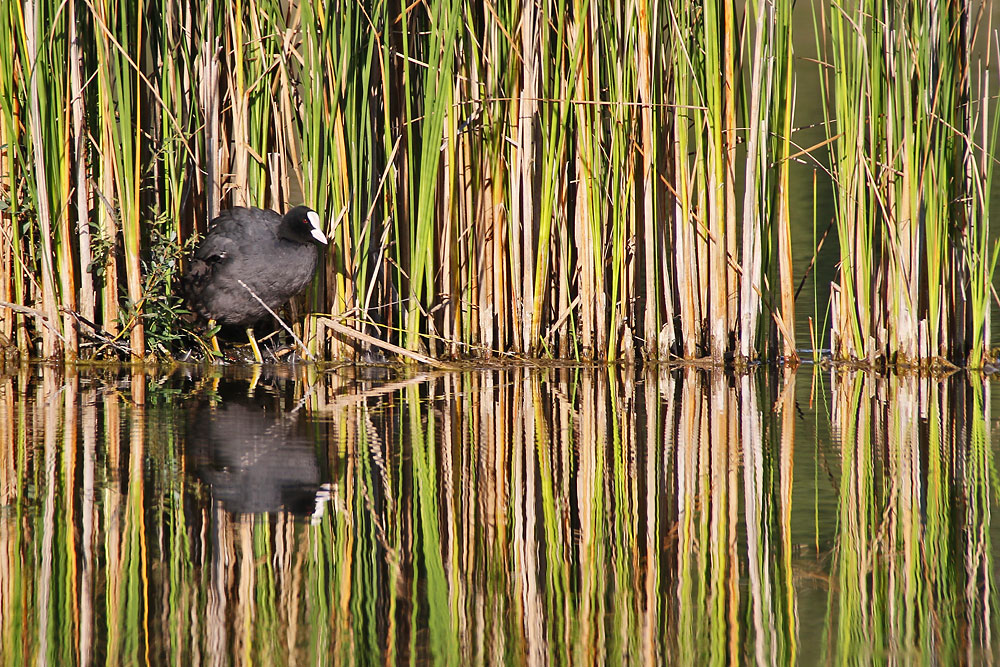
316	232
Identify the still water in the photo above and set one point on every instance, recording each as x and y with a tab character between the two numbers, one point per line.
524	516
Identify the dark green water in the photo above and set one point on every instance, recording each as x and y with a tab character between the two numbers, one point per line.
520	516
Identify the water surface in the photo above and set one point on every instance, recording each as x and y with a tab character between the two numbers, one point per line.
296	515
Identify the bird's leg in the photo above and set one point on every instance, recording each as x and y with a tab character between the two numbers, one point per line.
215	340
253	346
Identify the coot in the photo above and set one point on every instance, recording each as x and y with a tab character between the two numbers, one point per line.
274	255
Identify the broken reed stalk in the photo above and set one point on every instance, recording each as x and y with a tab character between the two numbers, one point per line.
543	199
388	347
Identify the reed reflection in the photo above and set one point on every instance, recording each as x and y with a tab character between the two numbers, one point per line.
522	516
914	563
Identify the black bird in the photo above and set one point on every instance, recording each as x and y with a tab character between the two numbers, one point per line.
273	256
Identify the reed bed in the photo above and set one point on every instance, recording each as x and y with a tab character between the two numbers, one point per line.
912	132
573	179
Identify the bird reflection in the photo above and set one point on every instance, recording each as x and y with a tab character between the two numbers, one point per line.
254	455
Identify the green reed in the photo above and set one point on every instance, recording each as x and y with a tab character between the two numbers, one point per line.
766	243
44	95
911	214
121	37
979	251
433	86
11	252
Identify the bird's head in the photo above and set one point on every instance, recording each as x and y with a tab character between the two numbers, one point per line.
303	224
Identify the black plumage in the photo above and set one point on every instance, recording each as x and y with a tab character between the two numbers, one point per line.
274	256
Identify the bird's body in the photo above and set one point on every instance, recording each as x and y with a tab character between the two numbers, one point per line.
274	257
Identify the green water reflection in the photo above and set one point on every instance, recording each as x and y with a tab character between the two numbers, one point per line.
558	516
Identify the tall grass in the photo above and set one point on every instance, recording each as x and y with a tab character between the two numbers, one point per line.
579	179
909	170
